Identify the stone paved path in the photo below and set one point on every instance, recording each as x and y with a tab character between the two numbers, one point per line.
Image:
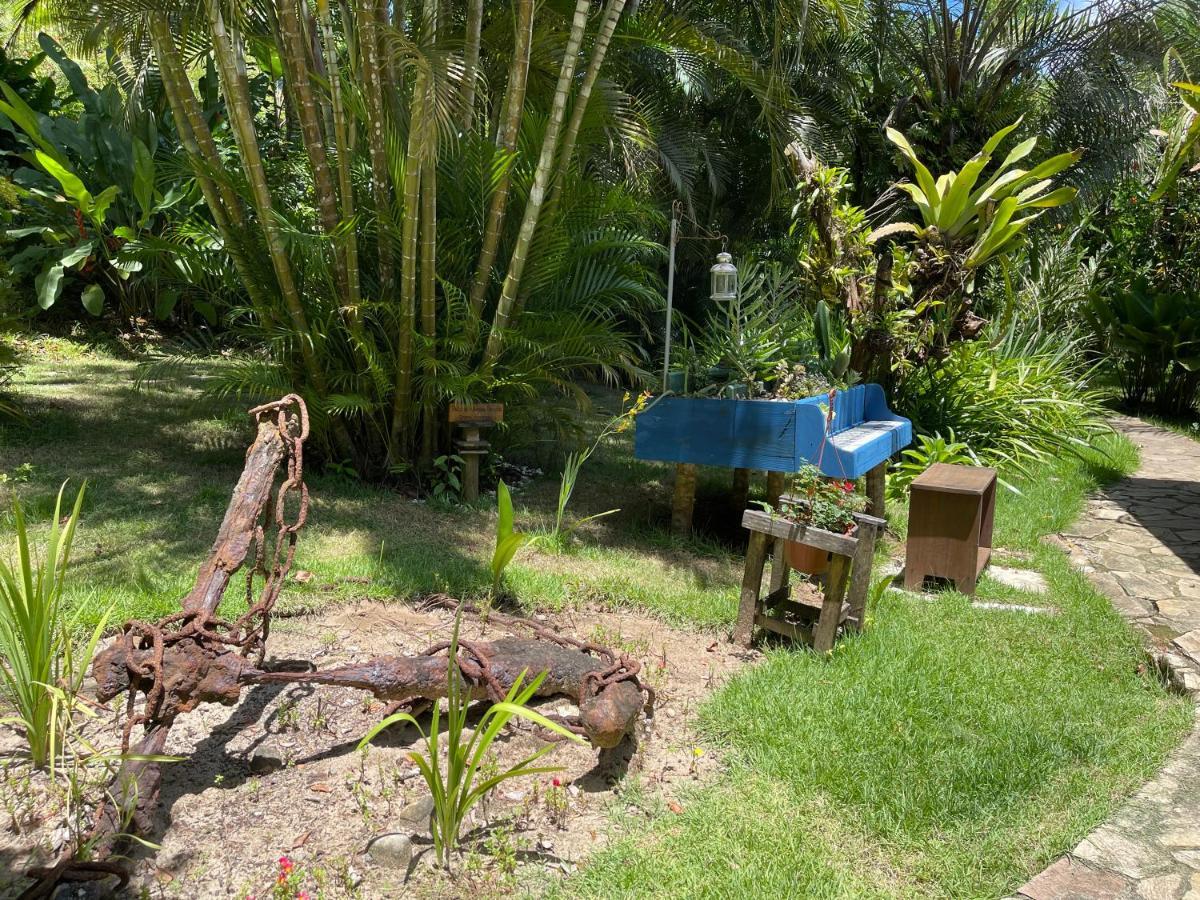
1139	541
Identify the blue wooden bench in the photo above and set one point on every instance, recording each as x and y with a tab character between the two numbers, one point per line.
775	435
779	436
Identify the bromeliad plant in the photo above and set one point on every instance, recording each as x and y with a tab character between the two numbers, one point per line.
41	667
923	297
459	783
959	212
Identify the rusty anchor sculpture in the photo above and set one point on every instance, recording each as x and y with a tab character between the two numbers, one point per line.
195	657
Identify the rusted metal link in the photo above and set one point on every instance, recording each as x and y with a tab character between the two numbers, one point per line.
249	631
622	668
76	870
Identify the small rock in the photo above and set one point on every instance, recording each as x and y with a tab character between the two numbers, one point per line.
395	851
267	757
1021	579
416	815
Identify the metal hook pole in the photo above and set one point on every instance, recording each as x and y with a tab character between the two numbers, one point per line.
670	296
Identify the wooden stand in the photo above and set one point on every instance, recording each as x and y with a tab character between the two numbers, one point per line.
846	586
950	525
472	418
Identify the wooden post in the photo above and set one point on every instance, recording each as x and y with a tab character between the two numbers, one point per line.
684	500
779	568
756	557
471	418
470	487
740	494
775	481
831	610
876	504
860	571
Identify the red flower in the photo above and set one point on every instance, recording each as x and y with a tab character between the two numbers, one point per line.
556	782
848	487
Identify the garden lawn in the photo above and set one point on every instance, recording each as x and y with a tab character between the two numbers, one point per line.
161	465
947	751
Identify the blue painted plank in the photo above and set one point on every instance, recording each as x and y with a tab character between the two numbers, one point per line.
773	435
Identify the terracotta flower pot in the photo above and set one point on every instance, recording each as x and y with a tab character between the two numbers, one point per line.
804	558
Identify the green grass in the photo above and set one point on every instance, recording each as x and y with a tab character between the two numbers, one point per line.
948	751
162	464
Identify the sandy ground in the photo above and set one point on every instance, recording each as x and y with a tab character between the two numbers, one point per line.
222	827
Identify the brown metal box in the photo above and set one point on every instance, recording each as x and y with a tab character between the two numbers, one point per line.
950	525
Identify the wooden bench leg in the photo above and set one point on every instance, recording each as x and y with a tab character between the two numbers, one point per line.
740	495
876	503
775	483
756	557
684	499
860	577
831	609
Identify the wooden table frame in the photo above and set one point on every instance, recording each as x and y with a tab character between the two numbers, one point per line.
845	599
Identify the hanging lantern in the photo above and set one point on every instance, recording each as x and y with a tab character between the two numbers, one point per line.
724	279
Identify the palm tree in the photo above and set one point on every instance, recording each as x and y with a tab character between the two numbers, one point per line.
392	289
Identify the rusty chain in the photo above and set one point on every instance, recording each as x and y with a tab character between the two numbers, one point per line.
620	668
249	632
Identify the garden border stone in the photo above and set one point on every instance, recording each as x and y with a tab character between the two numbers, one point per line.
1136	542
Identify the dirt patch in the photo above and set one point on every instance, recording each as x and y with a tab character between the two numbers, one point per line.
229	811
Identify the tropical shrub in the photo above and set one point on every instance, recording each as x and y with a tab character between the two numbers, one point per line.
86	204
1144	301
1153	337
41	666
1013	397
927	450
458	786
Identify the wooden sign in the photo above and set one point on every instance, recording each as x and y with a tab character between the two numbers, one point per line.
490	413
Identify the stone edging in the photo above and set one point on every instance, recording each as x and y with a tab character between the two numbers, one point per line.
1139	544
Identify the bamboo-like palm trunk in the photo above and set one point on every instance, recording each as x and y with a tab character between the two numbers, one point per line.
429	283
608	24
189	114
241	117
368	40
402	395
185	108
510	126
471	61
537	193
429	233
343	154
295	63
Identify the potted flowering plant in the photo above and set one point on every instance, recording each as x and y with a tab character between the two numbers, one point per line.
818	502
